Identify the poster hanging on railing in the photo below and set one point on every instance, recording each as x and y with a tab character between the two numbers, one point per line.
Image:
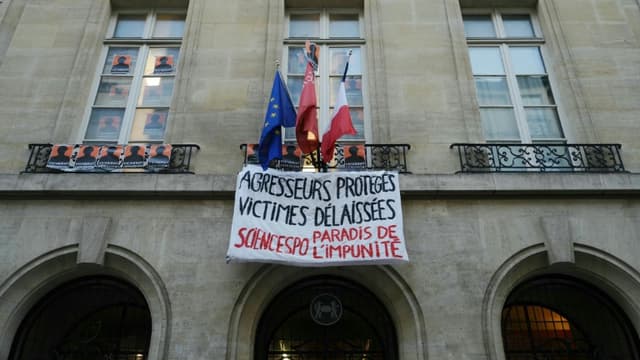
317	219
109	158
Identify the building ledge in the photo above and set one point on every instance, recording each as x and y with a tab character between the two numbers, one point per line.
412	186
520	184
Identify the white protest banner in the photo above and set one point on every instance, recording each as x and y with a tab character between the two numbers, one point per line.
317	219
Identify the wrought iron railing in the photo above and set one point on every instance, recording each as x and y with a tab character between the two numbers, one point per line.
516	157
347	157
179	161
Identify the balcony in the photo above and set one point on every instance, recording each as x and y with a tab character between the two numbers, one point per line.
73	159
347	157
515	157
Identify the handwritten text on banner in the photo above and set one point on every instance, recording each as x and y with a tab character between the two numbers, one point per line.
317	219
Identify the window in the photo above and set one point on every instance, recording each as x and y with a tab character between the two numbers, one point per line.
560	318
136	79
88	318
532	330
335	32
512	84
326	318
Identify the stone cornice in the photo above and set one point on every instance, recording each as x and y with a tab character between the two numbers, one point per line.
413	186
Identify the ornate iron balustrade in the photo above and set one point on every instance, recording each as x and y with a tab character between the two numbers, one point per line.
347	157
179	161
516	157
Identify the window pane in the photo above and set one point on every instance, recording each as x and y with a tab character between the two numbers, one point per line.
479	26
518	26
339	57
290	134
169	26
344	25
543	123
535	90
149	125
156	91
294	84
304	25
526	60
113	91
357	119
499	124
121	61
104	124
162	61
492	90
353	88
130	26
296	61
486	61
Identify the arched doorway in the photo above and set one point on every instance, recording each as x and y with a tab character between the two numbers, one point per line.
560	317
87	318
325	318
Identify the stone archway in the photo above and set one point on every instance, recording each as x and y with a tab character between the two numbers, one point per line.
560	317
600	270
93	317
23	289
382	281
325	317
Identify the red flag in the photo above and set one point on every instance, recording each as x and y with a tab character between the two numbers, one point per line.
340	125
307	119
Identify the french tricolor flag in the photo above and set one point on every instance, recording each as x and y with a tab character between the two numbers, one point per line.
340	123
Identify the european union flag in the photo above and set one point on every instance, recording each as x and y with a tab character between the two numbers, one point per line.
280	112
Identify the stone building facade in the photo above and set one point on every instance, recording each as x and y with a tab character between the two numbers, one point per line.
523	238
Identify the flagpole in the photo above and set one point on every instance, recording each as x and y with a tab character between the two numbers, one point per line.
322	167
311	57
346	65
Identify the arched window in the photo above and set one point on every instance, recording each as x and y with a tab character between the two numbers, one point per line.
561	318
88	318
325	318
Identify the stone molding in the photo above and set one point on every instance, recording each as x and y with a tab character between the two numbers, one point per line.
384	282
188	186
24	287
599	268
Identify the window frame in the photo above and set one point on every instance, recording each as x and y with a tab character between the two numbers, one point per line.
144	44
323	78
295	297
40	314
544	316
559	293
503	43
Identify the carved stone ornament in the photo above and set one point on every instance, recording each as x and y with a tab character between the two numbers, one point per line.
325	309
